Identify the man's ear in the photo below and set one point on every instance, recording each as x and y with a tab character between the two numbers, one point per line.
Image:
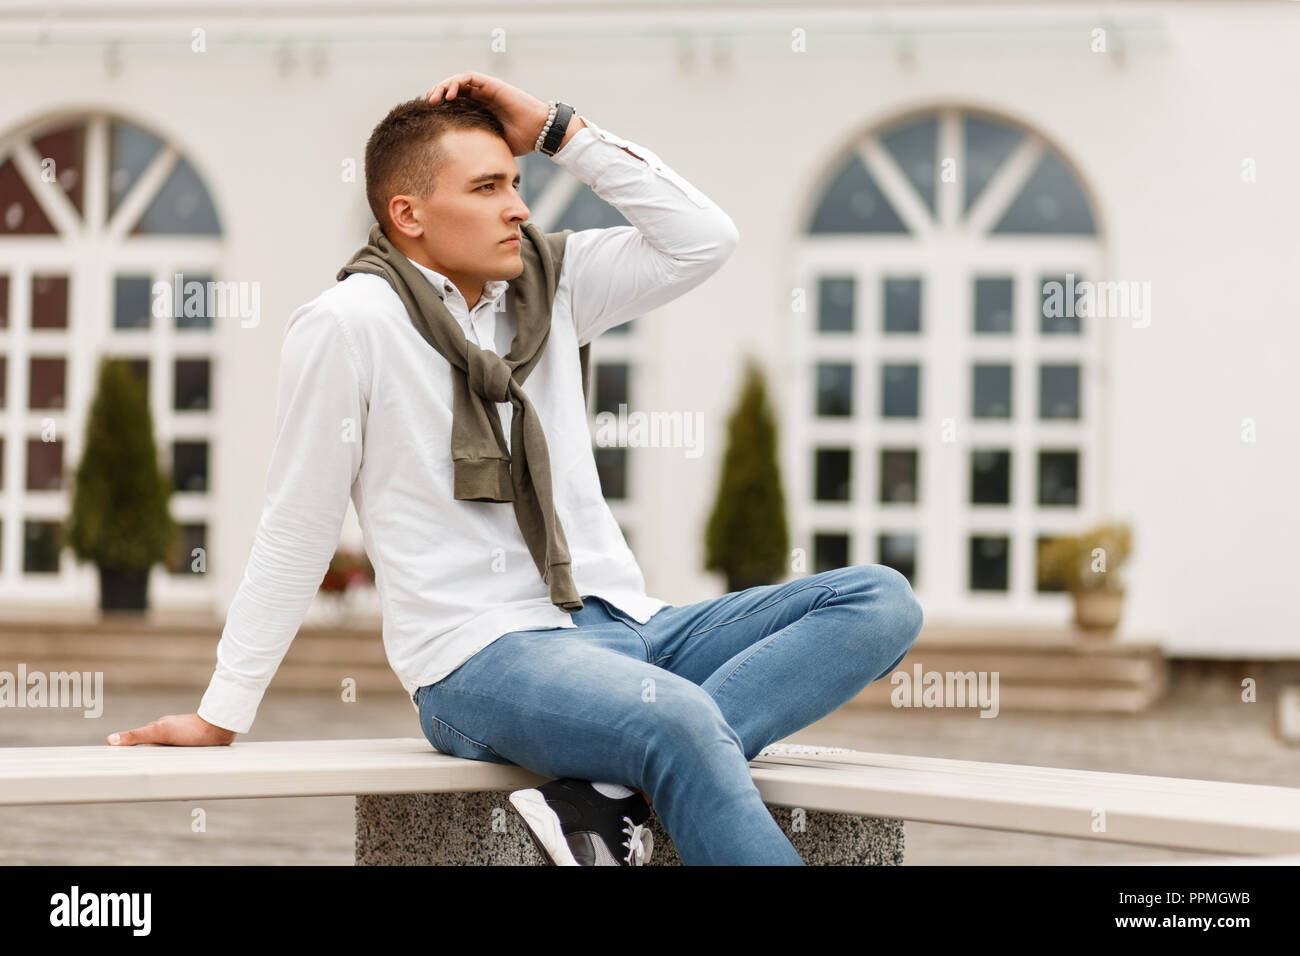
404	217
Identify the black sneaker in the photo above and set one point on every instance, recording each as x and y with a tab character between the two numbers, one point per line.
574	824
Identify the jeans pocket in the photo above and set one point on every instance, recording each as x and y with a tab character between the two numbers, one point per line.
446	739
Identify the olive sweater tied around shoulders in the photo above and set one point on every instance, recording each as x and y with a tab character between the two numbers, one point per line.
483	468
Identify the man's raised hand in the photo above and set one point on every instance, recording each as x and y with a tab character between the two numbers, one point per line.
522	114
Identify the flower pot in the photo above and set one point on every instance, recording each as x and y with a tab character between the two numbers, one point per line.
123	589
1098	610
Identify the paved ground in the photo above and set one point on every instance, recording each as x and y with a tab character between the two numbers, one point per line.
1201	730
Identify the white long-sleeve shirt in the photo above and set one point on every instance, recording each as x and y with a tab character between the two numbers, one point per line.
364	413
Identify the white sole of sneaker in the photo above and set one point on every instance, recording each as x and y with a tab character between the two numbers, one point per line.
544	824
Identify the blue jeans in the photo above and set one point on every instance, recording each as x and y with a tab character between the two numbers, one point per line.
678	706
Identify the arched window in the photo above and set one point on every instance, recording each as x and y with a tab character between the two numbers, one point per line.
946	411
110	244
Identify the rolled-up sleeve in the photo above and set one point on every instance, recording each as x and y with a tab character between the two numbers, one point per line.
320	419
678	237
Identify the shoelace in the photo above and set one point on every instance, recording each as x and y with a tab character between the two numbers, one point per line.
639	843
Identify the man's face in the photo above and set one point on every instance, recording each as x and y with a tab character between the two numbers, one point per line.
458	230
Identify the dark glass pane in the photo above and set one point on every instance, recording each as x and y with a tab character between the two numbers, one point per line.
190	465
898	551
988	144
183	560
47	383
854	204
1059	306
196	310
182	207
901	390
834	388
989	562
1058	477
1051	202
835	304
611	387
49	302
992	398
192	385
4	385
898	475
623	328
1058	391
611	466
1044	584
535	173
588	211
4	304
914	147
131	150
990	477
902	305
832	474
44	465
830	551
20	213
41	546
993	305
2	463
66	147
132	302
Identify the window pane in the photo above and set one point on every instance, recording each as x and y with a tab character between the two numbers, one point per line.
902	305
190	465
830	551
834	389
611	467
611	387
1044	584
131	151
192	385
988	144
914	146
832	474
1058	477
901	387
835	305
898	551
898	478
992	398
993	306
66	148
990	477
854	203
4	384
41	540
44	465
622	328
989	562
46	383
49	302
1059	306
183	560
196	309
181	207
4	304
1051	202
20	213
1058	391
131	302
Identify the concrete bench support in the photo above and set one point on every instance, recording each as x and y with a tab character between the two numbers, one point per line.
481	828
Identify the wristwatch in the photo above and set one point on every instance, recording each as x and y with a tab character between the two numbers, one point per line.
552	134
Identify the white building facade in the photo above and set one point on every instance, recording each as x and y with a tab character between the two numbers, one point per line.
907	181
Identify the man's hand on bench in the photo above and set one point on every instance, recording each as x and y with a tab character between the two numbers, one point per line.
179	730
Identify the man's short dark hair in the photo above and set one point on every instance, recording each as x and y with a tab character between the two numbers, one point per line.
404	153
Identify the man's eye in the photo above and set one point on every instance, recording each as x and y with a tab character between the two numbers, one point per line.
487	185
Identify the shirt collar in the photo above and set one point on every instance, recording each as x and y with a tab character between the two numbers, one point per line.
444	286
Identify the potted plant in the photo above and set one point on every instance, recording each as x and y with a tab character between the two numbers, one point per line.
347	569
1087	565
747	538
119	517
